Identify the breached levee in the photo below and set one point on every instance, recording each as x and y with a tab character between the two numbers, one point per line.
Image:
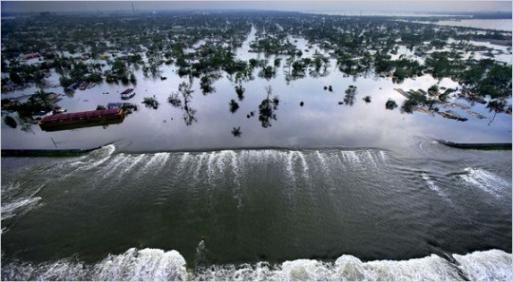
159	265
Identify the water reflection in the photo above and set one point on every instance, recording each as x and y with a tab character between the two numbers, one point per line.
240	92
189	113
350	95
299	80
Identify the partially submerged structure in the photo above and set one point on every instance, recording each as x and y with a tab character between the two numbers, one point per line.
81	119
127	94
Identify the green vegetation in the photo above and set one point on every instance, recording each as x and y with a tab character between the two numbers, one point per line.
350	95
174	100
233	106
236	131
267	108
93	50
151	102
390	104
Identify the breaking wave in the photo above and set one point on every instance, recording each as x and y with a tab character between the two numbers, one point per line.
159	265
17	201
485	180
295	163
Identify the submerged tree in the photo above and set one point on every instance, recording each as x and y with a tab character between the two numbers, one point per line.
233	106
174	100
236	131
189	113
206	84
240	91
267	108
497	106
390	104
151	102
414	100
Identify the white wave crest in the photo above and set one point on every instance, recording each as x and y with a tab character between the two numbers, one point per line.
430	183
133	265
485	180
98	157
12	206
142	265
367	158
159	265
156	162
24	204
350	157
492	265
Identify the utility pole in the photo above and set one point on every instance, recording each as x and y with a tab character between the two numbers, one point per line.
54	143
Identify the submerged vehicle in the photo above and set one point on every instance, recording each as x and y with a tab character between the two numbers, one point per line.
81	119
127	94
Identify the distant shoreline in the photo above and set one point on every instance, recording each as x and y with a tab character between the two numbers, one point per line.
477	146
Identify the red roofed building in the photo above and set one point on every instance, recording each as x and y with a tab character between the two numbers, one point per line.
81	119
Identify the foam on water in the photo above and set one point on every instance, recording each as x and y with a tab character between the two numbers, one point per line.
114	164
143	265
133	265
199	164
432	186
371	158
322	160
98	157
183	161
157	159
304	164
11	209
350	157
218	164
132	162
211	173
485	180
19	203
290	166
430	183
383	155
492	265
159	265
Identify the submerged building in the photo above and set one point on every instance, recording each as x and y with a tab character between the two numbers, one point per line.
81	119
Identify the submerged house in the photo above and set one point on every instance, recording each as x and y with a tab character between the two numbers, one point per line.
81	119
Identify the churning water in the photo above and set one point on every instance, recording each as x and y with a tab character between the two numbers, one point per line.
429	213
158	265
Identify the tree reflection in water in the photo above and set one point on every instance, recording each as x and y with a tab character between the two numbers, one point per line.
350	95
186	90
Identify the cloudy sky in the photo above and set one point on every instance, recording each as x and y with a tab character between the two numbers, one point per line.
306	6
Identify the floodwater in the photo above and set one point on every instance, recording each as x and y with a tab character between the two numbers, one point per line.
327	192
320	122
495	24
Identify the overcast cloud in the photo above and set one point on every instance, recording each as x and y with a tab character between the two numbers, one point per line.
305	6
